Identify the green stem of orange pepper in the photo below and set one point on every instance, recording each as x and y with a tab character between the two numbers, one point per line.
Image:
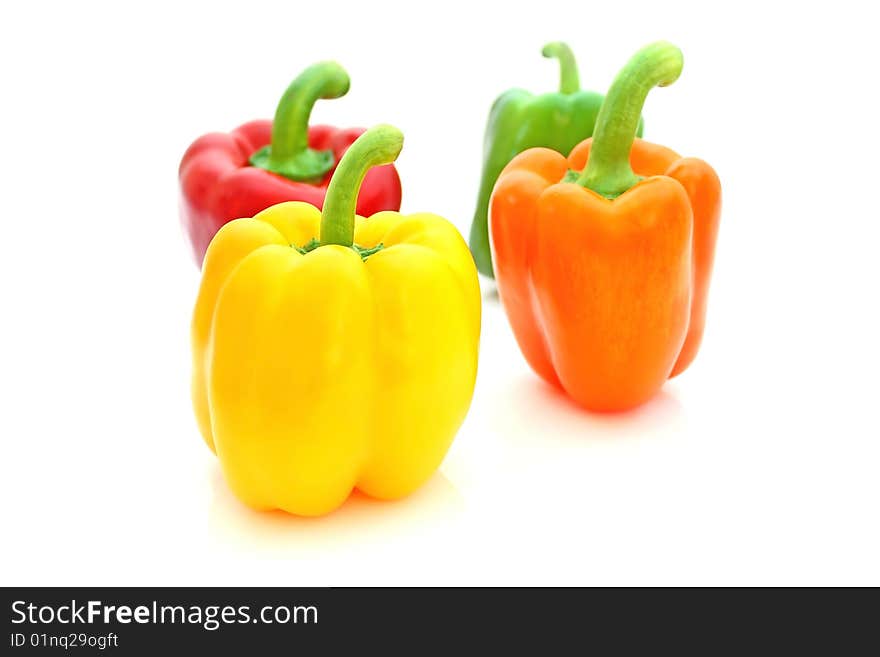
608	171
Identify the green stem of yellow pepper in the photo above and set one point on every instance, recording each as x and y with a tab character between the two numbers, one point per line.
377	146
289	154
569	81
608	171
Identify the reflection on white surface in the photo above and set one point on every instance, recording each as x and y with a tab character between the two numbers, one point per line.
361	519
538	411
529	410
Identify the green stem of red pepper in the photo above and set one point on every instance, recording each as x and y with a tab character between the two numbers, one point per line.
608	171
377	146
289	154
569	81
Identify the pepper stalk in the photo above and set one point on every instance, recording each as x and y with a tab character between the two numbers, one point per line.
608	171
569	80
289	154
377	146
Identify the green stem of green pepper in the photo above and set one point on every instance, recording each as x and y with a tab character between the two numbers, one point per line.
569	82
608	171
289	154
377	146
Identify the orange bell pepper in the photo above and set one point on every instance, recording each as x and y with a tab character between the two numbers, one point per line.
603	259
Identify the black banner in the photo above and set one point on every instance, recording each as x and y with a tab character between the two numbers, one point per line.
150	621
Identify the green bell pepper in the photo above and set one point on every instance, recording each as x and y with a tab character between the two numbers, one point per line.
520	120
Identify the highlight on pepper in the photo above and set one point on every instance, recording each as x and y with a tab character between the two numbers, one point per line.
603	259
520	120
261	163
333	352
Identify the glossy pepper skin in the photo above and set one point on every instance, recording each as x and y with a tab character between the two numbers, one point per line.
333	352
225	176
520	120
603	262
703	189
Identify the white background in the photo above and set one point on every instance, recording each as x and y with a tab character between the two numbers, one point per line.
757	466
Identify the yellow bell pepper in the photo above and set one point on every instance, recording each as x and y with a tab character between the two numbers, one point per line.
334	352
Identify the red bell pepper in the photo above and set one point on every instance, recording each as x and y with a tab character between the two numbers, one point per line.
225	176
